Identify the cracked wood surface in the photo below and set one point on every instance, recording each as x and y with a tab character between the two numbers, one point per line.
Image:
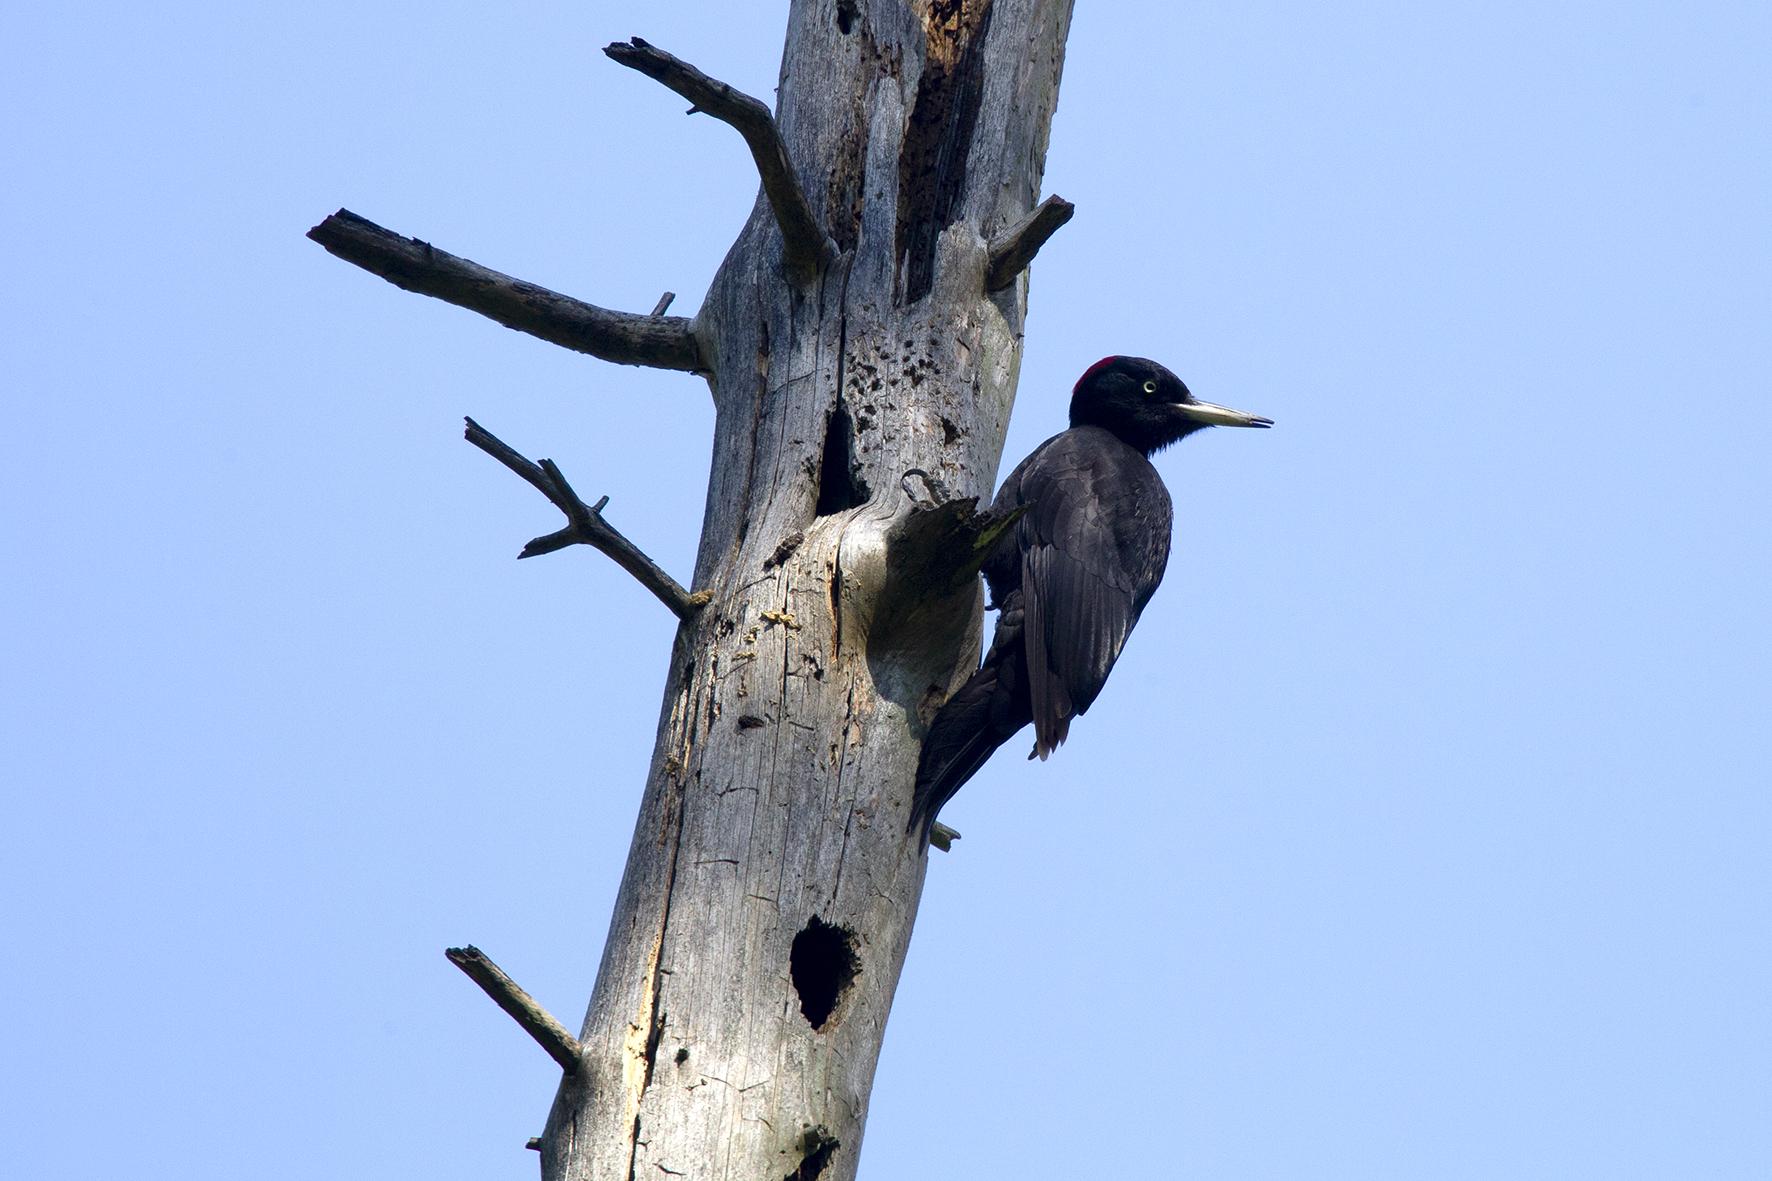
781	779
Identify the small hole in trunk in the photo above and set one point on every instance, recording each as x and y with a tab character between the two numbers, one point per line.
823	965
816	1149
839	488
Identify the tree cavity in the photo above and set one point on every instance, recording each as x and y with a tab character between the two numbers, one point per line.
839	485
823	964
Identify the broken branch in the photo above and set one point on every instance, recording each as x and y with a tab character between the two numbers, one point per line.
586	525
536	1021
940	545
805	246
942	837
1015	247
662	342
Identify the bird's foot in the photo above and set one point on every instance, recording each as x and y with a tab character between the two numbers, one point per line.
934	494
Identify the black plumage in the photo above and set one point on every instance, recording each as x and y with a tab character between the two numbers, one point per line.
1071	578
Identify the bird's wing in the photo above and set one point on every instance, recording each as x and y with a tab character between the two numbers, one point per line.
1093	548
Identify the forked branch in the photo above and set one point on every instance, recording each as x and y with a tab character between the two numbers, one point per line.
536	1021
662	342
1015	247
805	246
585	524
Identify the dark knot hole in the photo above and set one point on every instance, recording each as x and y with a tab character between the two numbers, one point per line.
823	964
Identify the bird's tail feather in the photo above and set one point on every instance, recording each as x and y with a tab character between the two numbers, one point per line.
960	740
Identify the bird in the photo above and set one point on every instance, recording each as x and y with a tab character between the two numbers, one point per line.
1071	576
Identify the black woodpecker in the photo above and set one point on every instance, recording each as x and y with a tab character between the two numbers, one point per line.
1070	579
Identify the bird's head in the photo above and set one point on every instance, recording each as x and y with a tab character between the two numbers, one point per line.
1146	405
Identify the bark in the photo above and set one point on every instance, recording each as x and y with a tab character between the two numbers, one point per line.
866	324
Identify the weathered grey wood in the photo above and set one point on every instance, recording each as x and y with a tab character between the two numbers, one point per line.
536	1021
663	342
1014	248
805	247
771	886
787	749
585	524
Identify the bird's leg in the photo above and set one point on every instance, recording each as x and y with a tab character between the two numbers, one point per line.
937	492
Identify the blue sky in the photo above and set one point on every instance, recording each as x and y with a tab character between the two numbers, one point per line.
1422	831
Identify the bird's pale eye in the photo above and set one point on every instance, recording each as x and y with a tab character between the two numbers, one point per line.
1150	387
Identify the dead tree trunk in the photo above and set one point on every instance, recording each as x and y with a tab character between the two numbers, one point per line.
862	341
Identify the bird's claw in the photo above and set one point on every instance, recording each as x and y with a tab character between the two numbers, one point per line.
935	492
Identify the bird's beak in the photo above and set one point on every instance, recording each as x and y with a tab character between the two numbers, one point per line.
1206	414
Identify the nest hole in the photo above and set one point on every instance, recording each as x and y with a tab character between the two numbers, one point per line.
839	487
823	964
